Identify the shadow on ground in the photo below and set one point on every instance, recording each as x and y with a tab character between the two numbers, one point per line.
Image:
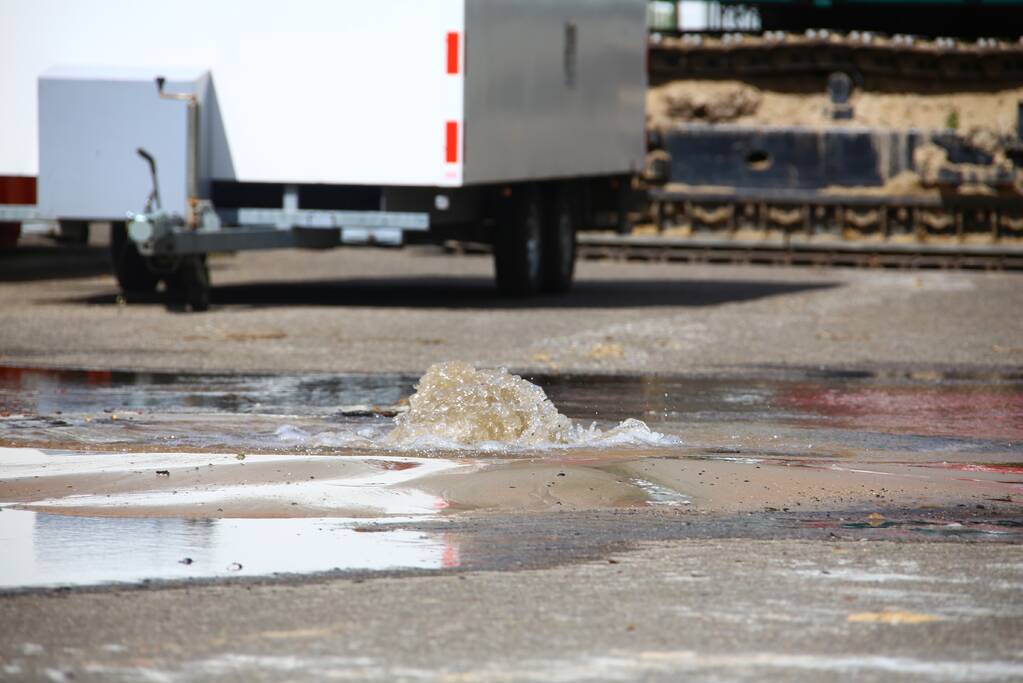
466	292
29	263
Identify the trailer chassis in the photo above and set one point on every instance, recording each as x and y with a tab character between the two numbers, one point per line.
159	245
163	234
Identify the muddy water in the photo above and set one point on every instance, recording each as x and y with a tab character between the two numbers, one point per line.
301	454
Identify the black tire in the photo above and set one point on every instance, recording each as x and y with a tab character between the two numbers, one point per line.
518	244
130	267
624	224
9	234
189	285
73	232
558	253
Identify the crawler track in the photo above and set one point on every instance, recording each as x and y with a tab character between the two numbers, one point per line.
808	228
703	248
866	54
939	229
814	228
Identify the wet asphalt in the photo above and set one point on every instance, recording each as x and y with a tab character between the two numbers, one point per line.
886	593
702	609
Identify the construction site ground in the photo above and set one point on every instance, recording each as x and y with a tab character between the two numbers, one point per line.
800	551
401	310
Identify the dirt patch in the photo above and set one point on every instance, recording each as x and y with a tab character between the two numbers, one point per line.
712	102
984	116
904	184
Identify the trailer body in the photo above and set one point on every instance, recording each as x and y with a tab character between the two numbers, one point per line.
92	121
231	124
444	93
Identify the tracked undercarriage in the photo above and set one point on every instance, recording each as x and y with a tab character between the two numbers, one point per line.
822	52
854	148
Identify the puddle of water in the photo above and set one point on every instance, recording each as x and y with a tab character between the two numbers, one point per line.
43	549
219	485
166	447
60	408
959	409
879	527
36	391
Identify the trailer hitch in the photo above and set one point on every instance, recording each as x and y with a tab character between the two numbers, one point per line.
151	229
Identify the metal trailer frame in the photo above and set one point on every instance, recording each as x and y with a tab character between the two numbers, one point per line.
506	108
159	233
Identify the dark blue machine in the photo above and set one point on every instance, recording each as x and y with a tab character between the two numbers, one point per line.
795	158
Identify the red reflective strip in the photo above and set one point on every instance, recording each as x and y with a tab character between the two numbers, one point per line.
451	142
453	52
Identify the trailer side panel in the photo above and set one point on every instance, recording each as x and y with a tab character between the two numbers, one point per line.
553	89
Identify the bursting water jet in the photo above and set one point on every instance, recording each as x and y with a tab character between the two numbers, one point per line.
456	402
458	406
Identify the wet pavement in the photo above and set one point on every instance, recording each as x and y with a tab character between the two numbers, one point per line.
836	497
699	609
827	485
151	477
136	549
923	410
791	525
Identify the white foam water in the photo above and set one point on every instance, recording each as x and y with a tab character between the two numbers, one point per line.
458	407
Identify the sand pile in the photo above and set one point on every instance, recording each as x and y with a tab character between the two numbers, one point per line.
983	116
711	102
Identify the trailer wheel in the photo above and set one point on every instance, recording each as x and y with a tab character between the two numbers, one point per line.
558	255
73	232
130	267
189	285
9	234
518	244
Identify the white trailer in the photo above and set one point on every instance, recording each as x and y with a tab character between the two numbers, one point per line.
317	123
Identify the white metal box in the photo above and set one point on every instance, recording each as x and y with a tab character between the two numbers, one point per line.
93	120
402	92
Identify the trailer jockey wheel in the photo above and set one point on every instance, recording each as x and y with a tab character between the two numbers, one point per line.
518	243
558	254
130	267
189	285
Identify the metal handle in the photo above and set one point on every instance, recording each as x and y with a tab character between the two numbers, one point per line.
154	196
161	81
192	180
